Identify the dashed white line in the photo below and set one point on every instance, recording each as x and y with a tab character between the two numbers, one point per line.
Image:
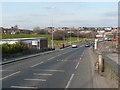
51	58
83	53
59	54
80	58
77	65
50	70
37	64
42	80
43	74
68	84
23	87
10	75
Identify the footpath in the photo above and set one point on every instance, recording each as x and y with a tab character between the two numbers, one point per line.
98	80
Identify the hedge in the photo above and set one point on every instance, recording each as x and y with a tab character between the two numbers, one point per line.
12	48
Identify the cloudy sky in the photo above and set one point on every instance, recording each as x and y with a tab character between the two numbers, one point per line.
72	14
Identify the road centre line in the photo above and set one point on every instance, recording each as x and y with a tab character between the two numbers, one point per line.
77	65
23	87
37	64
50	70
43	80
10	75
80	58
51	58
43	74
68	84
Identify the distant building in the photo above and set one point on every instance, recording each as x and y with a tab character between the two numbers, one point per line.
17	31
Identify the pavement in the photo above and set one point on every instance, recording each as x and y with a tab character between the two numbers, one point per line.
98	80
68	68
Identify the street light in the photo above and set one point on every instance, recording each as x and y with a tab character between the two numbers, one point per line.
70	36
78	35
52	38
52	29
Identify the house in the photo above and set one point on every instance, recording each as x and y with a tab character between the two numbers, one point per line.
16	31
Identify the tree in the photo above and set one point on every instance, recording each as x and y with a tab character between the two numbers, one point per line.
58	35
36	30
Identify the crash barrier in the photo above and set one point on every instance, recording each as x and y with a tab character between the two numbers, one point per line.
109	69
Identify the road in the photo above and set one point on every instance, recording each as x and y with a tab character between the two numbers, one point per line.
68	68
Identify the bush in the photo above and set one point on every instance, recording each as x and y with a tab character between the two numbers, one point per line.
12	48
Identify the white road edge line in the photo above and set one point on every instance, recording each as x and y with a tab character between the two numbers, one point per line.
42	80
23	87
42	74
10	75
37	64
77	65
68	84
51	58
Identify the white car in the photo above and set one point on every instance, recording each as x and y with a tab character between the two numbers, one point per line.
74	46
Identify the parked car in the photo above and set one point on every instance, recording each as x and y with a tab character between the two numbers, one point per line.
74	46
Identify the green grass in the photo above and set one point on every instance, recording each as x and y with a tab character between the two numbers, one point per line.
56	42
6	36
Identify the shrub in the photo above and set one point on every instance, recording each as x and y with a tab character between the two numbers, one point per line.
12	48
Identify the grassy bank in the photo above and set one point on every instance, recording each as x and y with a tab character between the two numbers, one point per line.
56	42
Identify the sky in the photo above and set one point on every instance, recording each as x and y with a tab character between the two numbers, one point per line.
28	15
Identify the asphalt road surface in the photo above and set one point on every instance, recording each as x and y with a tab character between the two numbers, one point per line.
68	68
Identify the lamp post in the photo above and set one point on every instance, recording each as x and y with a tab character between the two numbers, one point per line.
78	35
52	29
52	38
70	36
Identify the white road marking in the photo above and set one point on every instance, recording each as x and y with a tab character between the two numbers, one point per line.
37	64
77	65
59	54
80	58
42	80
10	75
51	58
23	87
83	53
43	74
68	84
50	70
